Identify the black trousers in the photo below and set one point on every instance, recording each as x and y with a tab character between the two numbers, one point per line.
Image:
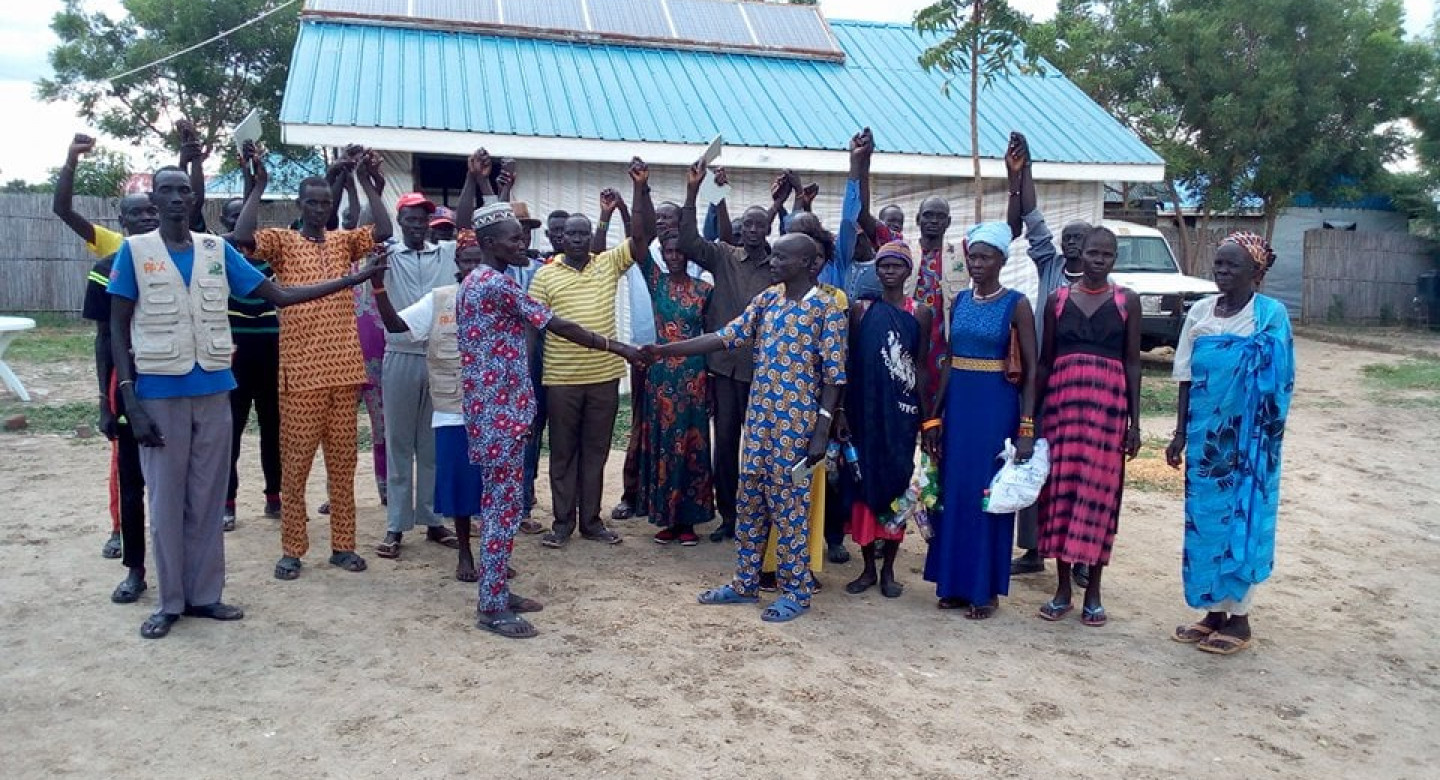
132	498
731	399
257	383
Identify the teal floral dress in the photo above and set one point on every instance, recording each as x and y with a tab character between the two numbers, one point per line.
676	489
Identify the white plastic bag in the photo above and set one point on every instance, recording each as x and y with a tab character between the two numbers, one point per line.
1017	485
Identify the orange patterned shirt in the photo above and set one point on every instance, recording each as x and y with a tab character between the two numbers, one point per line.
319	345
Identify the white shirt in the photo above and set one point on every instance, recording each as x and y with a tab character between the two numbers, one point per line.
1201	321
418	317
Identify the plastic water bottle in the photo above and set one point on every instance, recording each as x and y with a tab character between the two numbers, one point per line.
832	462
852	457
985	500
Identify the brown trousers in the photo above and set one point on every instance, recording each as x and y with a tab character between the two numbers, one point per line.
582	420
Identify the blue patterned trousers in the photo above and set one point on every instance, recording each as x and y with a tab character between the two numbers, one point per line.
766	500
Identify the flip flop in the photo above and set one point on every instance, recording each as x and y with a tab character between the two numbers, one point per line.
981	611
1191	634
128	592
444	537
288	568
1094	617
347	560
951	603
390	548
783	610
113	547
466	574
506	624
157	625
1054	612
1223	644
725	594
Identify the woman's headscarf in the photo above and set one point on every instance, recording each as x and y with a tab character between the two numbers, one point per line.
1259	249
996	234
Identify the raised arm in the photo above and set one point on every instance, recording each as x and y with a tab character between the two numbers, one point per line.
506	180
477	167
192	161
372	182
862	149
702	252
780	190
338	175
609	202
723	231
642	228
249	213
63	201
1021	185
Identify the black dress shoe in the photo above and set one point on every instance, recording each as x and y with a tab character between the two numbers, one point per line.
1027	564
722	532
216	611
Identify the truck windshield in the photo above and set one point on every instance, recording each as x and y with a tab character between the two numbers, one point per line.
1144	255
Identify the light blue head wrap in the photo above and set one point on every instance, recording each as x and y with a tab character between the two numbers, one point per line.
996	234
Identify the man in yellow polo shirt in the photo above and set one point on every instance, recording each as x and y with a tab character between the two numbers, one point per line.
583	386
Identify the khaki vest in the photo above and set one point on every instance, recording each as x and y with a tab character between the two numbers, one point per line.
442	354
176	328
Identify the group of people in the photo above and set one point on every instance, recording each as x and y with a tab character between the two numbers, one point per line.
820	365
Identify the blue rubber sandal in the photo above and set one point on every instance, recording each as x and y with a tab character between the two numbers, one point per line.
783	610
725	594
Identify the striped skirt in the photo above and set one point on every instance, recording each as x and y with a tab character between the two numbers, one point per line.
1085	416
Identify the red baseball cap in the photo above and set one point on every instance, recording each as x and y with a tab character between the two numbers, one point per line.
415	199
442	216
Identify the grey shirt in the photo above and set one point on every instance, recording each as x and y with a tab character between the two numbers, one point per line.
1049	264
412	274
738	279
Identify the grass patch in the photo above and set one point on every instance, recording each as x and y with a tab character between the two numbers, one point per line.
1409	383
1158	392
57	418
54	344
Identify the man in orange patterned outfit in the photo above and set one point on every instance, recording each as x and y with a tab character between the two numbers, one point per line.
321	366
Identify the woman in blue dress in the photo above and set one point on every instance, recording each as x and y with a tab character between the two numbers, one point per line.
969	556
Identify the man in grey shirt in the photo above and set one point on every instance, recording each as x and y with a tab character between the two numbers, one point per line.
741	273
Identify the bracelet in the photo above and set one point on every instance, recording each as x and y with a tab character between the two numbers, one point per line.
604	223
377	290
930	424
825	413
605	339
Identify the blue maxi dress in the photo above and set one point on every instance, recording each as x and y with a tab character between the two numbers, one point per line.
969	556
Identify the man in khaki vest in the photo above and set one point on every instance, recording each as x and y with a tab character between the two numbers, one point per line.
172	348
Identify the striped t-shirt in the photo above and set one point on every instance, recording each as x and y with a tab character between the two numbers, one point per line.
587	297
254	316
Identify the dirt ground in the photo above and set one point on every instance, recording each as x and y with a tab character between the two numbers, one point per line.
381	674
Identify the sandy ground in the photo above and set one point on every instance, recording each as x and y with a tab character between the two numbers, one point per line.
380	674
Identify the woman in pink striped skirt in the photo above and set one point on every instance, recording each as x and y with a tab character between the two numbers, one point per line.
1089	375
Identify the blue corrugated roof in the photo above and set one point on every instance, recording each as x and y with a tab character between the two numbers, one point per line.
375	76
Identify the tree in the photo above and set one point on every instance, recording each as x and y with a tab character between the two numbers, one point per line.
22	187
1260	99
984	40
102	172
214	86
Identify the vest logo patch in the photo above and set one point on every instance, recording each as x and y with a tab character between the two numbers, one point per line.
208	243
154	266
215	267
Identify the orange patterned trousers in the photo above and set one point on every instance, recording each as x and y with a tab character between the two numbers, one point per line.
310	419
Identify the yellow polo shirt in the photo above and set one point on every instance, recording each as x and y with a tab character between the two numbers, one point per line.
588	298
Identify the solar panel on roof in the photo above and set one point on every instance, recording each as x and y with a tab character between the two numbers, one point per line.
545	14
704	20
636	18
712	25
789	26
458	10
364	7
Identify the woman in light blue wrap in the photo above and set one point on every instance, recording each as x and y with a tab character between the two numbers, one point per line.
1236	368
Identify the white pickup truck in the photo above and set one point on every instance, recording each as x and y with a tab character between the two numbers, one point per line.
1145	264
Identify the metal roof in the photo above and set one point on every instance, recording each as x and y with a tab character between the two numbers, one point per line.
369	76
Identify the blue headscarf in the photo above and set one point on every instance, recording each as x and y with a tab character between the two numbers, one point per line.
996	234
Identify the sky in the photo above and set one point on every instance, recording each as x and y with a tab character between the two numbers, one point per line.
34	144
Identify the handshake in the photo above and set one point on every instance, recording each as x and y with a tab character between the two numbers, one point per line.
643	356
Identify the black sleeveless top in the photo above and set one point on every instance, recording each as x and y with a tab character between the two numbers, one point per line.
1101	334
